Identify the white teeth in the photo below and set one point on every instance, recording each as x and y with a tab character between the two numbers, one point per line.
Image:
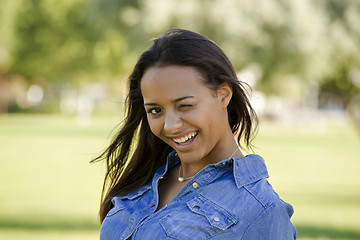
184	139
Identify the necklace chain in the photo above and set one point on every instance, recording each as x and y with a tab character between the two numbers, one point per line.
181	179
237	149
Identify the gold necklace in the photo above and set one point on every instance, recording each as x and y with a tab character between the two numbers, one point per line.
181	179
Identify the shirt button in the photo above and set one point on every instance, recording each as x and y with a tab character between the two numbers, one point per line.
161	177
216	219
223	163
195	185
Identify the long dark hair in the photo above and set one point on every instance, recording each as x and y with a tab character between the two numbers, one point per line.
136	153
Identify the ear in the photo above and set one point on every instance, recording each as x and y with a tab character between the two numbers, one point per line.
224	94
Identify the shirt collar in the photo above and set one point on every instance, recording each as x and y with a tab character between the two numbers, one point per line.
246	170
172	160
249	169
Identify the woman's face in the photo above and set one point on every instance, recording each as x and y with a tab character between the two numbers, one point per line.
184	113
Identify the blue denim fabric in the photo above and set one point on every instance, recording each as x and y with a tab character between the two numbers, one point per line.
227	200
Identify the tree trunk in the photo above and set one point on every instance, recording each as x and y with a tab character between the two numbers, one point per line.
353	109
4	94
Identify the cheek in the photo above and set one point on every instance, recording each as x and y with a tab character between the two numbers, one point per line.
202	119
212	120
209	113
155	126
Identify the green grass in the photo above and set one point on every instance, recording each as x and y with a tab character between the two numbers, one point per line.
49	190
47	182
316	169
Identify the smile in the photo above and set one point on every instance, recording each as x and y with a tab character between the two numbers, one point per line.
185	139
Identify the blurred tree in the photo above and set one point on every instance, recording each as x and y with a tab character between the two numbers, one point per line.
52	40
341	81
119	22
294	44
297	44
7	16
249	32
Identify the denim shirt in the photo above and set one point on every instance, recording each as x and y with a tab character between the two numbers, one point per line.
228	200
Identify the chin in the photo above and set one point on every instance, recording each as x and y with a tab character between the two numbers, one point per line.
190	157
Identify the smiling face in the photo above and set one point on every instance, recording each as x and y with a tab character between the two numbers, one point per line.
186	114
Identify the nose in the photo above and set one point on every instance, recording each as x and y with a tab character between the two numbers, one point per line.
173	122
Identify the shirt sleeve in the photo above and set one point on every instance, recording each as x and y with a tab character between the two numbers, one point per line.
273	224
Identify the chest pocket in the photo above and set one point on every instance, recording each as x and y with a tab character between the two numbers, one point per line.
201	219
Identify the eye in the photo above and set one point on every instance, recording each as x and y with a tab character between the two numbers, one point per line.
185	106
154	111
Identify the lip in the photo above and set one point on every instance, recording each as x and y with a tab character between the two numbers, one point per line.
187	146
181	135
184	147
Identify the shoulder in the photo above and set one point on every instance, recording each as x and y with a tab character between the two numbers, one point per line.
262	193
250	175
273	223
247	202
243	181
244	192
256	210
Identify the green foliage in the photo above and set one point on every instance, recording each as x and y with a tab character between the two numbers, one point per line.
52	40
294	43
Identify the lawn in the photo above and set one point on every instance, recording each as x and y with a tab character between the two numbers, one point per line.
49	190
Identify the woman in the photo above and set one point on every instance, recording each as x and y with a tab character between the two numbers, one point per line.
175	171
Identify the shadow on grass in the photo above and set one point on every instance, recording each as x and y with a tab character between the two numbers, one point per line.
327	232
71	225
83	225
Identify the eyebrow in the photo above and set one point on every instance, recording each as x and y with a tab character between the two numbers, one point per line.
175	100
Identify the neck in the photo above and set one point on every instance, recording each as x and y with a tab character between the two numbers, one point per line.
232	151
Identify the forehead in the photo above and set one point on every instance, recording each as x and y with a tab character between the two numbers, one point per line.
171	82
